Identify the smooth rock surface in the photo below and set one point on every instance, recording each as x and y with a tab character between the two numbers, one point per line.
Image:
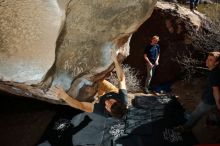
57	42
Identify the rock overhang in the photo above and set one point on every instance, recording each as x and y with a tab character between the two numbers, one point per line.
56	42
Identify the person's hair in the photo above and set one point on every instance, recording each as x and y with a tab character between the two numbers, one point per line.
118	110
156	37
216	55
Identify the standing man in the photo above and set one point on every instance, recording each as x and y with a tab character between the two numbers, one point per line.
211	95
151	56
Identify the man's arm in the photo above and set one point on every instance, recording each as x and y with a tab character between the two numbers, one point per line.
157	61
158	57
216	94
119	71
121	78
60	93
147	60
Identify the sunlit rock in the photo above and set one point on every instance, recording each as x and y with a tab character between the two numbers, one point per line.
29	30
56	42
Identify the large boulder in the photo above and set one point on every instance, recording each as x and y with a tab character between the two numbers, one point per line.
57	42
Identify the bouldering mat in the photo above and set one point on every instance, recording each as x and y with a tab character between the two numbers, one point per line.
149	121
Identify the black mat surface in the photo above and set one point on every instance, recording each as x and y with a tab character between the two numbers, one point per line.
149	122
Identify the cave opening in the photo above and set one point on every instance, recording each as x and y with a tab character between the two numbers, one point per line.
172	42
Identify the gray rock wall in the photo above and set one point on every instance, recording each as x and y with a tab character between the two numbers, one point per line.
56	42
29	30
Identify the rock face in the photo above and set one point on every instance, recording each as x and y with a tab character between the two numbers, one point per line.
56	42
29	30
183	33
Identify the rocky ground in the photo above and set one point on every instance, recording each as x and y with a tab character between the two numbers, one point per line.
23	121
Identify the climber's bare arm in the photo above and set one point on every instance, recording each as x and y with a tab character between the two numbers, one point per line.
59	92
119	71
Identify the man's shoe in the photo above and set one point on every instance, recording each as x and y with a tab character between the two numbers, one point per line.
182	129
212	120
156	93
146	91
192	9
